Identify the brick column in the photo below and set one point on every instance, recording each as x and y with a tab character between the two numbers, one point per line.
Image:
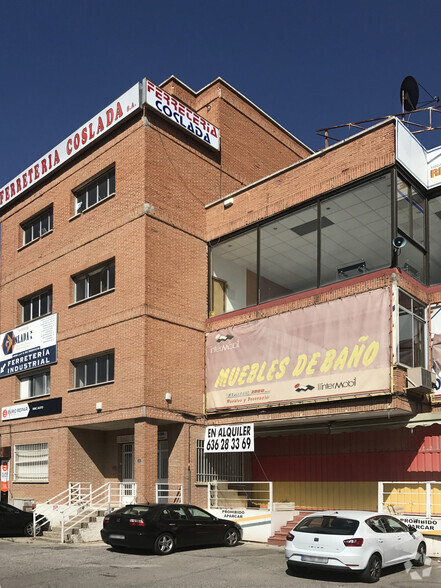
146	457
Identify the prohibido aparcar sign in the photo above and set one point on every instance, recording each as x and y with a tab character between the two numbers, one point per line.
229	438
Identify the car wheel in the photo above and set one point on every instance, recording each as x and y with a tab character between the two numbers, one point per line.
231	537
372	571
421	555
164	544
28	531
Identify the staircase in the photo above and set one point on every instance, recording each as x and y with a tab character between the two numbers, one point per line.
76	514
280	536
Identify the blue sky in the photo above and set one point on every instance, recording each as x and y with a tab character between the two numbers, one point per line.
308	64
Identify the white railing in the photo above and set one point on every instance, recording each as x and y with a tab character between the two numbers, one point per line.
78	502
240	495
410	498
168	493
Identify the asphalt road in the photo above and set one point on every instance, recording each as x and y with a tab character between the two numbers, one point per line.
25	563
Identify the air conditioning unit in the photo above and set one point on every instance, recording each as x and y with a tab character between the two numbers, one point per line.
420	379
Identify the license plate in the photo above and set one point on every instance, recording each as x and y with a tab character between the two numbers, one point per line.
113	536
315	559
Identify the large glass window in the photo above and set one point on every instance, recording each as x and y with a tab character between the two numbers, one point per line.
36	305
435	240
350	233
90	371
31	462
410	211
356	231
288	254
234	273
412	331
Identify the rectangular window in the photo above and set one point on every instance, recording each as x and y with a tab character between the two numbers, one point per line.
95	281
37	384
218	466
91	371
98	189
38	226
37	305
412	331
31	462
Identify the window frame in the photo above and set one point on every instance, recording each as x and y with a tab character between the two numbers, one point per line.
32	376
107	266
30	223
30	299
82	362
93	185
414	317
37	461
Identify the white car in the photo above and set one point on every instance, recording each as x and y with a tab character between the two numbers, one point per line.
353	540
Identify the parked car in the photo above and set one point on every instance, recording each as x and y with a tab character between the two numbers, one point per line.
165	527
14	521
353	540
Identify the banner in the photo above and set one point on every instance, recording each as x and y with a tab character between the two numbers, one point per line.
29	346
4	475
333	349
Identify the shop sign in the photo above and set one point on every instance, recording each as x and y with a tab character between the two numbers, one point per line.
334	349
76	142
181	115
29	346
426	525
229	438
4	475
424	164
33	409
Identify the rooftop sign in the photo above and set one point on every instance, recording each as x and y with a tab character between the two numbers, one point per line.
181	115
423	164
78	140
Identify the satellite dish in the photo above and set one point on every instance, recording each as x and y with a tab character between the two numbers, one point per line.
409	93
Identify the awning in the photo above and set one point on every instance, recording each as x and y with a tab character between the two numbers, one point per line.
425	419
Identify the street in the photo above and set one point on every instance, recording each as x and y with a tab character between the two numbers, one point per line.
40	564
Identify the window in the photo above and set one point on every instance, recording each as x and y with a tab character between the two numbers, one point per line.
36	305
94	370
412	331
332	239
95	281
217	466
31	462
38	226
95	191
410	211
37	384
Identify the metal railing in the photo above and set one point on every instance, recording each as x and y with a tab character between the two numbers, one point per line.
410	498
168	493
240	495
79	501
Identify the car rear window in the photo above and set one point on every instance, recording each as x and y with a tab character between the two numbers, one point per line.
328	525
136	510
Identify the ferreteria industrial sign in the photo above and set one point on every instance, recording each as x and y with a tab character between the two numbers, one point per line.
30	410
29	346
334	349
229	438
80	139
181	115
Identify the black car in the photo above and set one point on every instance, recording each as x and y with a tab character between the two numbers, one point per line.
164	527
14	521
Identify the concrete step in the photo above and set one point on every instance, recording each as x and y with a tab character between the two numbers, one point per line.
279	536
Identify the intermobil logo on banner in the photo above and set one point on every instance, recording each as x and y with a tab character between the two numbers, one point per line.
333	349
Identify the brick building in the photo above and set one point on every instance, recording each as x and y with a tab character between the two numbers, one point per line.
190	262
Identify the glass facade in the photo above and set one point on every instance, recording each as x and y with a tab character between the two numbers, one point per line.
329	240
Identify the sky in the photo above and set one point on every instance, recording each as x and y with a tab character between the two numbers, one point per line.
308	64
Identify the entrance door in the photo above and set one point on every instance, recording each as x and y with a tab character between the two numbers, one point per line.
128	494
163	471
